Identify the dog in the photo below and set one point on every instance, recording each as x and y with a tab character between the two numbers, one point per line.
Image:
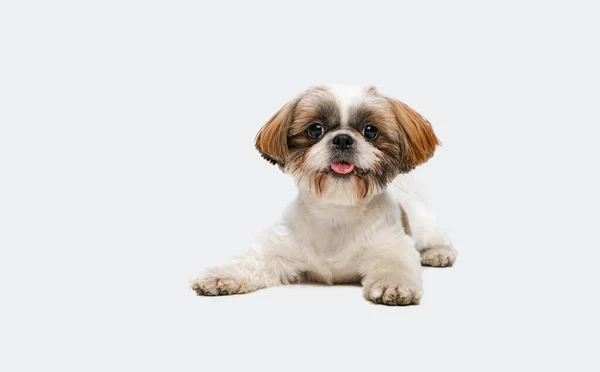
354	219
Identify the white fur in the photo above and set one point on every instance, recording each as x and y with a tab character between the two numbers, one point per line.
361	241
347	97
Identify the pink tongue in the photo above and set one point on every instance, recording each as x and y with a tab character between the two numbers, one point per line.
342	168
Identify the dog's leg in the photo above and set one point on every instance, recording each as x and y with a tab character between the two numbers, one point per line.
430	240
393	276
257	269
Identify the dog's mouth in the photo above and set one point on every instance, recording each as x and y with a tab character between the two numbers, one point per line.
345	169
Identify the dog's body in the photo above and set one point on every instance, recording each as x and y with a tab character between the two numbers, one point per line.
346	225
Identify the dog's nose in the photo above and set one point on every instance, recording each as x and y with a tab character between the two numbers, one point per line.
342	141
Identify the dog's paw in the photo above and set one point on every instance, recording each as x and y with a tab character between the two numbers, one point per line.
391	293
215	284
438	257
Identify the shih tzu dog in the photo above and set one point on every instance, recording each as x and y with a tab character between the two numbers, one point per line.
344	146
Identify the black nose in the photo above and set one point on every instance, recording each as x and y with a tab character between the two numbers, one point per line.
342	141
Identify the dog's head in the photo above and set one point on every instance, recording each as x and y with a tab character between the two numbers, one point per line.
345	144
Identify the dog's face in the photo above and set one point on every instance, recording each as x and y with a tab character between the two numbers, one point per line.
345	144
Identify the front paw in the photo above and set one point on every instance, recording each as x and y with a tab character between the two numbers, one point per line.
438	256
391	292
215	284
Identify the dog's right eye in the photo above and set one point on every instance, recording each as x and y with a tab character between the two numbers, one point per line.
315	130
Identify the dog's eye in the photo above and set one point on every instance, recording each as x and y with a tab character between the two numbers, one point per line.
370	132
315	130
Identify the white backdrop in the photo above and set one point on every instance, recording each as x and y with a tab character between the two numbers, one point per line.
127	164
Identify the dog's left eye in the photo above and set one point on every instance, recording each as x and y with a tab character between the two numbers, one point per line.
315	130
370	132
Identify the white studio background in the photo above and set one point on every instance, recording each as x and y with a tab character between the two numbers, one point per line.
127	164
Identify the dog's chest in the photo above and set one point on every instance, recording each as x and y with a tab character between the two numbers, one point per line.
334	241
333	250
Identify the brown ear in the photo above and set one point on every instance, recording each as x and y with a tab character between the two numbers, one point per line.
271	140
418	139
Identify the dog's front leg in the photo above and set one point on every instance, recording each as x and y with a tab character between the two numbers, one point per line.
269	265
392	276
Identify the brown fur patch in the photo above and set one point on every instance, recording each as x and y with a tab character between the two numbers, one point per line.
376	111
405	223
320	181
317	106
362	186
271	140
419	140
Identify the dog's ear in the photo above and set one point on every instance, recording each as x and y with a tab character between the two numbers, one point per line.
271	140
418	141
